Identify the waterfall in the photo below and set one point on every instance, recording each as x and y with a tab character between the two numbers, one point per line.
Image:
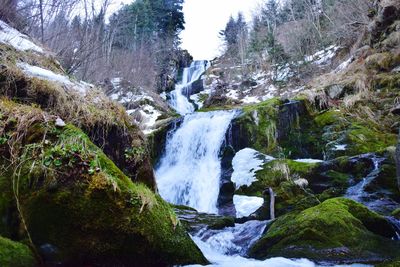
189	172
180	96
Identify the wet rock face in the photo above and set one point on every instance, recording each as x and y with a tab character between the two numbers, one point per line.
127	149
289	114
398	163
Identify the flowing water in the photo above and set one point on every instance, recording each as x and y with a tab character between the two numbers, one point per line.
180	96
189	174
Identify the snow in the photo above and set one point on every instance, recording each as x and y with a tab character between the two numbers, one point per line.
283	73
246	205
245	164
234	94
396	69
270	93
60	123
309	160
48	75
250	100
340	147
150	116
116	82
344	65
323	56
129	97
19	41
163	95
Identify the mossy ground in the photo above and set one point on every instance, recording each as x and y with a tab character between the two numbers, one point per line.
72	196
13	254
336	230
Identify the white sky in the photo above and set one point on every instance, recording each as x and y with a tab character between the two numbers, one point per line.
204	19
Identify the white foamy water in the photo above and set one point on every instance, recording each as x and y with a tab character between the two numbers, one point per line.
180	96
189	172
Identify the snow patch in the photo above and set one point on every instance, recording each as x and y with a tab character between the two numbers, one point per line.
323	56
19	41
48	75
251	100
344	65
149	117
246	205
309	160
234	94
340	148
245	164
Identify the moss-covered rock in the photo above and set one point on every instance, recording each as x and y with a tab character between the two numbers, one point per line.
337	230
286	178
104	121
73	197
396	213
13	254
195	221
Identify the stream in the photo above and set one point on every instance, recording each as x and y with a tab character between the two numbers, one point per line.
189	174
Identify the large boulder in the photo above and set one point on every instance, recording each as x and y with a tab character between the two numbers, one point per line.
76	205
337	230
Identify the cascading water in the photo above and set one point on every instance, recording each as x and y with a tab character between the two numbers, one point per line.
180	96
189	172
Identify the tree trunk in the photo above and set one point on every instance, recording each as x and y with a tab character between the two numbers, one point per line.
41	20
272	203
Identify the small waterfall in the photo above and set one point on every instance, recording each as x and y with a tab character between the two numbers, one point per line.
234	240
357	192
180	96
189	172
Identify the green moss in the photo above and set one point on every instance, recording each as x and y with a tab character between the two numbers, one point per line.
337	229
328	117
13	254
338	179
74	197
363	139
258	124
280	176
396	213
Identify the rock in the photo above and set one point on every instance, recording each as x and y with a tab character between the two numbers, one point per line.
335	91
336	230
397	157
195	221
13	254
396	110
76	199
60	123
